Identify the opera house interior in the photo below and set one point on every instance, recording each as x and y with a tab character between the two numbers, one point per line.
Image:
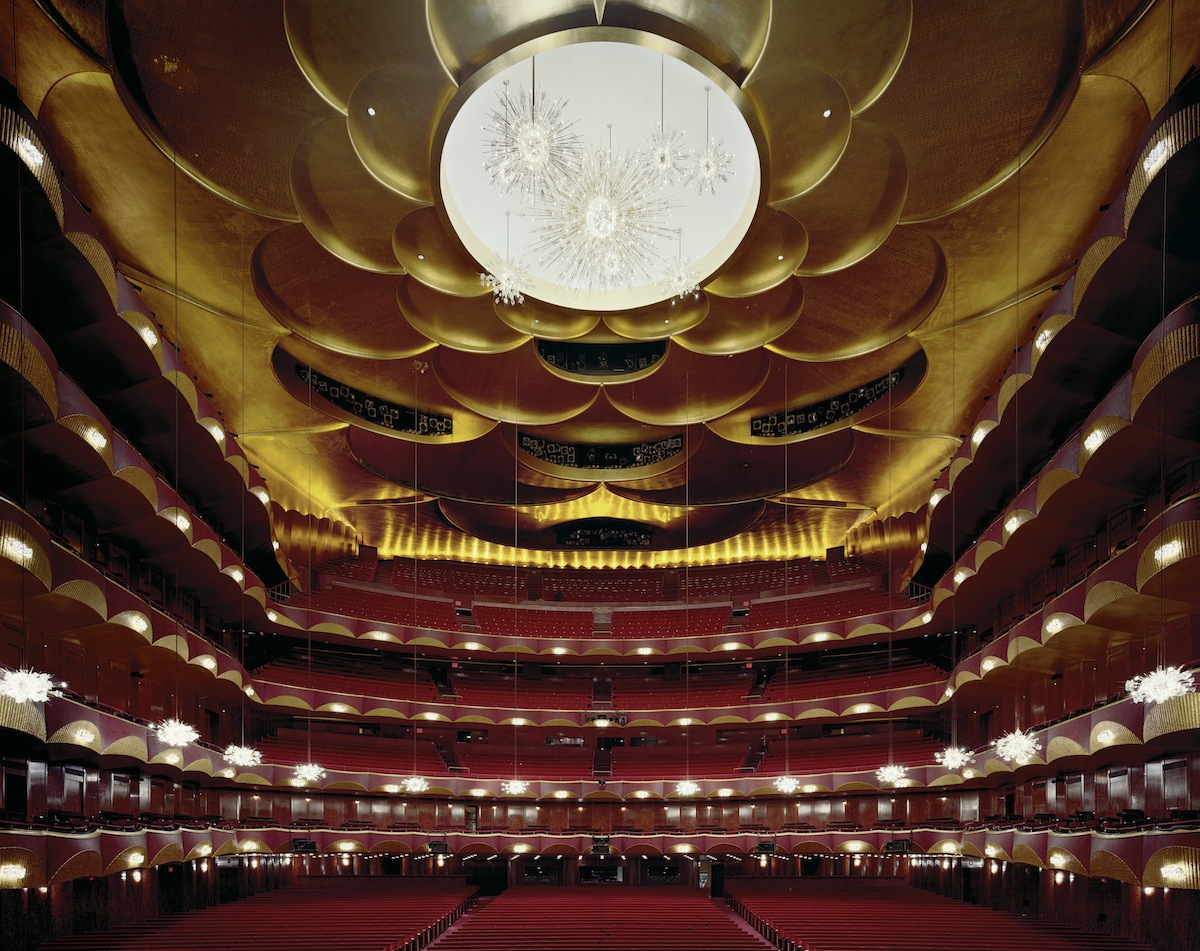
608	474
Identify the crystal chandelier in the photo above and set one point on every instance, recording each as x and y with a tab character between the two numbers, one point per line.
27	686
601	228
664	154
236	755
954	757
175	732
531	148
687	787
787	784
1017	746
681	281
514	787
506	281
710	164
415	784
891	773
1159	685
308	772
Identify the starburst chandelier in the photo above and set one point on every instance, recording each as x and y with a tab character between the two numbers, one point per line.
530	148
27	686
787	784
954	757
506	280
891	773
514	787
236	755
415	784
687	787
175	732
1017	746
711	163
308	772
1159	685
681	281
664	154
601	228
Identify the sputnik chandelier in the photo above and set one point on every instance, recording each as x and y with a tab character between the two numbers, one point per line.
1159	685
891	773
514	787
787	784
954	757
415	784
236	755
687	787
175	732
601	214
308	772
28	686
1018	746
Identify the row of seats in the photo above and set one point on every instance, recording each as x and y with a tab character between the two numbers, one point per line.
380	606
805	684
859	602
860	914
446	577
599	918
351	914
350	753
348	680
721	688
693	621
547	693
559	584
507	621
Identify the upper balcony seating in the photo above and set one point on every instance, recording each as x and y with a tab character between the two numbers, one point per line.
360	567
752	578
581	918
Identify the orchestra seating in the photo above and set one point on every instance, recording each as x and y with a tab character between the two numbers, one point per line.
599	918
867	914
351	914
352	753
503	621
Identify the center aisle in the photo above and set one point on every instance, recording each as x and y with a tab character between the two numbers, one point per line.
599	918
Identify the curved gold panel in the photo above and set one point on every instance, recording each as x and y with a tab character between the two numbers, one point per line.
861	45
691	388
1172	716
343	206
1172	353
177	82
434	258
769	254
854	209
392	115
536	318
909	269
328	302
337	42
1105	864
467	324
737	324
512	387
1006	72
662	320
806	142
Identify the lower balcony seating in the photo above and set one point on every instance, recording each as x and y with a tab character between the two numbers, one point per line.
599	918
453	578
850	753
848	681
351	753
720	688
505	621
380	606
855	914
350	680
650	622
351	914
550	762
774	615
673	762
481	689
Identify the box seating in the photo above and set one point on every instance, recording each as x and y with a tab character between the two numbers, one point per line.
351	914
350	753
859	914
599	918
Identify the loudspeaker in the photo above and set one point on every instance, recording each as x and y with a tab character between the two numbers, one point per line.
439	848
304	846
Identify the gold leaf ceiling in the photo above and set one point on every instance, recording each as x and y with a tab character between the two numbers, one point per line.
933	169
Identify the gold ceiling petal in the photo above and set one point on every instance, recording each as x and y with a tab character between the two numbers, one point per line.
457	470
513	387
392	115
660	321
691	388
769	254
722	472
397	382
174	75
731	36
433	257
461	323
327	301
468	35
859	44
908	270
790	385
805	143
1143	59
1004	71
738	324
1107	21
1047	212
536	318
337	42
855	208
601	422
83	21
341	204
53	54
200	241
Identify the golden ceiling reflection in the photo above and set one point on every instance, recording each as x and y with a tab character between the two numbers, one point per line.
262	173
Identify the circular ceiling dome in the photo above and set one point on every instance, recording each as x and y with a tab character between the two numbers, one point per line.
604	175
